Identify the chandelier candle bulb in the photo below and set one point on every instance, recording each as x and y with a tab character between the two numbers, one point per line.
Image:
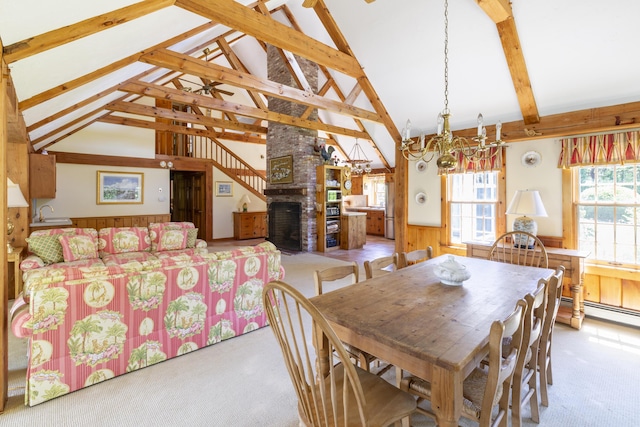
440	123
480	124
498	130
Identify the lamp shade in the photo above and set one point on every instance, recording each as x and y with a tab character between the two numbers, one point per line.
527	203
244	201
15	199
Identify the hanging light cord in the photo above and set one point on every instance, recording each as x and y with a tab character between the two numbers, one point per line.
446	56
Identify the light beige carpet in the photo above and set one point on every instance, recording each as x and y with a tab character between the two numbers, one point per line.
243	381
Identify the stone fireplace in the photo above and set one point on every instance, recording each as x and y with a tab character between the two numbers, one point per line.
284	141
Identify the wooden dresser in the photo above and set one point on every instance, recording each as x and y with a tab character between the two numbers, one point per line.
249	225
573	262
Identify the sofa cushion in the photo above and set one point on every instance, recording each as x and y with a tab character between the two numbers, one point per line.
118	240
156	227
171	240
78	247
48	248
192	236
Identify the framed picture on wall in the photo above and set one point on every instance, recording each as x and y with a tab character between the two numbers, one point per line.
119	188
281	170
224	188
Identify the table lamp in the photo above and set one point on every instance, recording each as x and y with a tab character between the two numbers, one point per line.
15	199
245	202
526	203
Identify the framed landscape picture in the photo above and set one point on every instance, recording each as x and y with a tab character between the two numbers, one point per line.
224	188
119	188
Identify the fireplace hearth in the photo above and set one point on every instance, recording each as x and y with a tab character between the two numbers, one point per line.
284	225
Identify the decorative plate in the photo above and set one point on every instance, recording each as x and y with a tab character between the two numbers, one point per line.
421	166
531	159
421	198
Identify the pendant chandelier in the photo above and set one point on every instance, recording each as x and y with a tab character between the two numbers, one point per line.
444	147
357	160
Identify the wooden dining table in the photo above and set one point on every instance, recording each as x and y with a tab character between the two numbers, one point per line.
435	331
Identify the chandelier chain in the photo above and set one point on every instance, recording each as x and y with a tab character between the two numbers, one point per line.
446	55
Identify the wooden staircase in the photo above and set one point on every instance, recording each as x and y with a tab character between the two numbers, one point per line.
206	148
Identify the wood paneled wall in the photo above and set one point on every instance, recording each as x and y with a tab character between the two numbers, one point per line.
119	221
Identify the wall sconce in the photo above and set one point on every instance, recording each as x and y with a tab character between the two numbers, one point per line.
166	165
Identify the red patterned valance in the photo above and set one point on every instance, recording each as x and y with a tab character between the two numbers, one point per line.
607	149
491	162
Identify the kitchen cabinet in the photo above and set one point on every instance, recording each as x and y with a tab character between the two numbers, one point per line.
356	185
42	176
375	222
249	225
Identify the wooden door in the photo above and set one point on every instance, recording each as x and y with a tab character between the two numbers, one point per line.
188	199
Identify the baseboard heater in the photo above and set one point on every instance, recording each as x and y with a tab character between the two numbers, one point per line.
607	312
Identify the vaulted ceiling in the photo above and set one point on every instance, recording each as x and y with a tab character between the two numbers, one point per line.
543	68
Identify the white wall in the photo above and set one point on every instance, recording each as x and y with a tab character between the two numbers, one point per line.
224	206
77	189
76	195
545	177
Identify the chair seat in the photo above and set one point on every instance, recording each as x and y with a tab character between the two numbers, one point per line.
472	391
384	401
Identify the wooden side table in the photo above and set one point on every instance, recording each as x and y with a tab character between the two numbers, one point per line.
15	257
573	262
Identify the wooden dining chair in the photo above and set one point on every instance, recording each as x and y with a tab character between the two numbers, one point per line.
333	274
519	247
379	266
525	375
347	395
409	258
484	388
554	295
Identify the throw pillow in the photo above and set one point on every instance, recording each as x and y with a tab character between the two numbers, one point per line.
171	240
192	236
78	247
48	248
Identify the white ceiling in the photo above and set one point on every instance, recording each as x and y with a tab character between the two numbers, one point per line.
579	54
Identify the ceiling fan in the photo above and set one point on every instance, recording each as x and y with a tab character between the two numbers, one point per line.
206	88
312	3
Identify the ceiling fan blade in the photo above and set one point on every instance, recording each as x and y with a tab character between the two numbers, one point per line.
226	92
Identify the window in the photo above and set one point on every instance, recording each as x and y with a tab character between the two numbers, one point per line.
374	187
473	202
608	212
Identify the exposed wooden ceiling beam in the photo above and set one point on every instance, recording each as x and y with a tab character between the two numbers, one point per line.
156	112
34	45
338	38
518	69
255	24
161	92
187	64
501	14
614	118
498	10
157	126
101	72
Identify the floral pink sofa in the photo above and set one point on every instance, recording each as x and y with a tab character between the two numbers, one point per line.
92	319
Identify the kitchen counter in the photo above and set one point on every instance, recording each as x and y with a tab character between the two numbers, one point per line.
375	218
52	223
353	230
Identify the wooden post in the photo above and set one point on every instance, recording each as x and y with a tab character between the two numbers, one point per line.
4	302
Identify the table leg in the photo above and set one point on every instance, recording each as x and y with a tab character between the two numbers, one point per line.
323	353
446	396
